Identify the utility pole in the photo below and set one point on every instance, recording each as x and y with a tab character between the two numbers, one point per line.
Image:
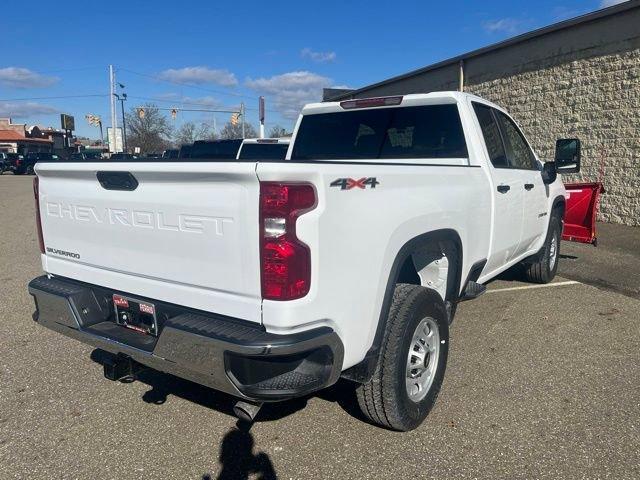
114	119
242	115
261	115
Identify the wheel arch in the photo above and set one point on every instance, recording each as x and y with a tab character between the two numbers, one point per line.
401	272
559	204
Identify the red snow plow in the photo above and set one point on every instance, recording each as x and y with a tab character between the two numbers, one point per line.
583	198
581	210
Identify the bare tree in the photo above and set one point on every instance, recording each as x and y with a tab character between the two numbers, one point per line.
189	132
151	130
277	131
230	131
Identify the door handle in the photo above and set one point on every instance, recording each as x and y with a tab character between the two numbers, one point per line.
528	186
504	188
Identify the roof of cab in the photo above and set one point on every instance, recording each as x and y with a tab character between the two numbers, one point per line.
413	99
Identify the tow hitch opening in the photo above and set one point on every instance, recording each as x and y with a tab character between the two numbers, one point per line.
120	368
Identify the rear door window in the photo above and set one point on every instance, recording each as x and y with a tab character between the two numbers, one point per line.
491	135
429	131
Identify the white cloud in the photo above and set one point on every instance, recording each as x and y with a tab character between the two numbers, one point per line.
18	77
24	109
506	25
207	101
291	91
199	76
177	99
610	3
319	57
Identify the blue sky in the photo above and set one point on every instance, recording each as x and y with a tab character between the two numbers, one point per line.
209	54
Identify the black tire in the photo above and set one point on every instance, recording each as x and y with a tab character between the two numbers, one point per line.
544	269
384	399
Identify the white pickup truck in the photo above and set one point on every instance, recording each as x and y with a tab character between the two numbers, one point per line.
272	279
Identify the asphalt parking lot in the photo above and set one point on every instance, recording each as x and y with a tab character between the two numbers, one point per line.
541	383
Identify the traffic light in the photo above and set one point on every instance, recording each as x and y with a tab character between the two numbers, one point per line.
141	112
93	119
235	118
174	113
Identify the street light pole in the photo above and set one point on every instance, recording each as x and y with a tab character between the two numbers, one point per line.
124	124
242	115
114	119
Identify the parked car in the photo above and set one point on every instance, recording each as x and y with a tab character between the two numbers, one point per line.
120	156
5	163
26	165
90	156
10	161
264	149
274	279
78	157
216	149
171	153
185	151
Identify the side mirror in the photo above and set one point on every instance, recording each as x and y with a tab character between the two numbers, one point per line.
568	155
549	173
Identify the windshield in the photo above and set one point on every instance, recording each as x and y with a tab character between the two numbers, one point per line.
263	151
429	131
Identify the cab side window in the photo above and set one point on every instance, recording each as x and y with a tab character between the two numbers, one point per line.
519	154
492	136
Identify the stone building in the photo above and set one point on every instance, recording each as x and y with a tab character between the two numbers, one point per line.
577	78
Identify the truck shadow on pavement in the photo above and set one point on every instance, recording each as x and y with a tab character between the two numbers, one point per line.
237	458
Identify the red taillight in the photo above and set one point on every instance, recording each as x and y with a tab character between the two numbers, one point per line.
36	194
371	102
285	260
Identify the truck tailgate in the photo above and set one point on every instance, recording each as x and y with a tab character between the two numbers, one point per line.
187	234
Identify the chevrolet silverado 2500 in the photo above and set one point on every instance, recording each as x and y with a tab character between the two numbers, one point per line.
270	280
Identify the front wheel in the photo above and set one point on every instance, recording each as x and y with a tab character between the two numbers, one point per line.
411	363
544	269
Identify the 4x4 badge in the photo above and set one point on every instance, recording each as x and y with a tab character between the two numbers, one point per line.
349	183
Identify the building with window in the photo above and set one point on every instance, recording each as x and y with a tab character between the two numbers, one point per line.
579	78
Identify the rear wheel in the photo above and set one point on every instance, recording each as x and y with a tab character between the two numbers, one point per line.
546	266
411	363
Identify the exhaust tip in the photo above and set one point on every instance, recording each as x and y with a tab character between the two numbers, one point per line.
245	411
